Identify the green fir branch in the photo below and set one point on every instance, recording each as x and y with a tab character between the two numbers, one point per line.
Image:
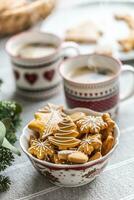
10	116
4	183
6	158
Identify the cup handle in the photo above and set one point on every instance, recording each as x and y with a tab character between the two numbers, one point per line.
130	69
70	45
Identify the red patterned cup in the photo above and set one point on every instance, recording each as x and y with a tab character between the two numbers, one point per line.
38	77
100	96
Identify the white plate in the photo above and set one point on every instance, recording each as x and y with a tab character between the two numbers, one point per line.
102	14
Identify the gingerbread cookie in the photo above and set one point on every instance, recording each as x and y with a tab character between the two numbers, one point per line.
78	157
129	19
106	117
91	124
55	159
72	156
90	143
37	126
32	139
86	32
49	108
96	156
63	155
41	149
42	116
65	137
107	145
127	44
111	125
77	115
46	120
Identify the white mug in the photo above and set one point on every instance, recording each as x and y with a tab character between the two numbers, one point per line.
37	78
103	96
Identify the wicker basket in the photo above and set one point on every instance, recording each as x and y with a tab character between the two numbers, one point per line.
17	17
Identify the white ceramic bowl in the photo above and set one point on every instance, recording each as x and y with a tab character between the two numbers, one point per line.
69	175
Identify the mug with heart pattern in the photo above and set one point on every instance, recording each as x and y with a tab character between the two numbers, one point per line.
37	76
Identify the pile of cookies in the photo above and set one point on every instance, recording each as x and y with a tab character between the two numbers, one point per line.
70	139
17	15
89	32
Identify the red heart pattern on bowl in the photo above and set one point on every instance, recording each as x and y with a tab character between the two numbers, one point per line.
49	75
31	78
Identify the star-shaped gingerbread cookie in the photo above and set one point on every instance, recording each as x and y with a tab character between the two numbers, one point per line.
91	124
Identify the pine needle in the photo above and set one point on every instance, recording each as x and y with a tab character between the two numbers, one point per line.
6	158
4	183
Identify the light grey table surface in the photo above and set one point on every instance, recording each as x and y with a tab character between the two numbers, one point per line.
115	183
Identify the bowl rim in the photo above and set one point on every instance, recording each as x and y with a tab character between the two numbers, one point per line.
67	166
